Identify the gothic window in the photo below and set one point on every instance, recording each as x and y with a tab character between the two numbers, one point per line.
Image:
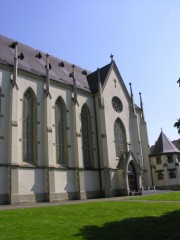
29	126
117	104
86	136
172	174
120	138
61	128
170	159
160	176
158	161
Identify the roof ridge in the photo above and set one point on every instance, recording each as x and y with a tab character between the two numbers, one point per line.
171	143
164	145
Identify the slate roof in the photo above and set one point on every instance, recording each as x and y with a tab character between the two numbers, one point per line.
93	77
163	146
177	143
60	70
36	65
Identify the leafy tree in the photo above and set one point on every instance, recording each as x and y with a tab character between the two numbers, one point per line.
177	124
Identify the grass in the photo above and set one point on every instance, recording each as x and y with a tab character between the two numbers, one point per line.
169	196
94	221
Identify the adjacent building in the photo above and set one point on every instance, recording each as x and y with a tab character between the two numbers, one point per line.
165	163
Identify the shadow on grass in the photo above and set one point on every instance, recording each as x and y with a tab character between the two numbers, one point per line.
166	227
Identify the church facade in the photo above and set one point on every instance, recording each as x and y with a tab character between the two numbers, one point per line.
67	133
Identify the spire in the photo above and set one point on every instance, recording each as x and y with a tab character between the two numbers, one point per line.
74	85
132	98
100	90
47	76
141	104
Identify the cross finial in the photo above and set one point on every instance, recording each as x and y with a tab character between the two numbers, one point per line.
111	56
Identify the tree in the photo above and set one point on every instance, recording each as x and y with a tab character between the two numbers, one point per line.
177	124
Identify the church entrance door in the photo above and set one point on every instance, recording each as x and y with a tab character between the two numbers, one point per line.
132	178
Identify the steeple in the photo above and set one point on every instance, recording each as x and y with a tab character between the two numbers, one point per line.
141	104
132	98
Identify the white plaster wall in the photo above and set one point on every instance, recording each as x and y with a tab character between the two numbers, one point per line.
91	181
31	181
65	181
4	121
117	179
111	115
102	141
3	180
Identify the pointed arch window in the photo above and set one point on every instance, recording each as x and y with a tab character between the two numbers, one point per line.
86	137
61	136
29	127
120	138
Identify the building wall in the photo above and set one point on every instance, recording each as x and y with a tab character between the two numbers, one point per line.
165	168
46	180
110	90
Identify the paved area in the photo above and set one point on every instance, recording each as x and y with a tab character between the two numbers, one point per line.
70	202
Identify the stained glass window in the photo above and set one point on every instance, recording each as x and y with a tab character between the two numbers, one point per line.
120	138
86	136
29	126
60	126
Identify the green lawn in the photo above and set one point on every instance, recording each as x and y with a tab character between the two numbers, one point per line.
169	196
91	221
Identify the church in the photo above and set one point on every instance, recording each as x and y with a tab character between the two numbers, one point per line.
67	133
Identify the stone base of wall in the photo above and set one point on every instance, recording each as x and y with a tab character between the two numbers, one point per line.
4	199
170	187
29	198
55	197
119	192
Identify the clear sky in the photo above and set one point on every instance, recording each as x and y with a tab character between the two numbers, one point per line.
143	36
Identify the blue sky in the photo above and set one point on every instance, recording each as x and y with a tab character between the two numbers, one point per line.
143	36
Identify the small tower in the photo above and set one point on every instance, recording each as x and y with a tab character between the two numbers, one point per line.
141	104
132	97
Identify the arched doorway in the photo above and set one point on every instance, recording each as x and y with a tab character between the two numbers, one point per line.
132	178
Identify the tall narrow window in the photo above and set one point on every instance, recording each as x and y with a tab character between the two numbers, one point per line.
29	127
86	136
120	138
61	127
